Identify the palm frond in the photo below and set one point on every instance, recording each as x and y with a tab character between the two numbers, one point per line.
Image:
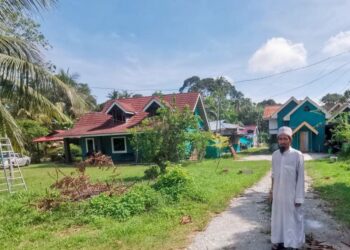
31	100
18	48
8	7
29	74
9	128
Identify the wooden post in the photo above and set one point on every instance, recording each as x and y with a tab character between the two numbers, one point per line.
67	154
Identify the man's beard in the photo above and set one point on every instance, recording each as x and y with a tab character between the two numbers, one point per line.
282	149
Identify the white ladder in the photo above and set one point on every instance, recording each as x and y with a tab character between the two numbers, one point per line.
12	179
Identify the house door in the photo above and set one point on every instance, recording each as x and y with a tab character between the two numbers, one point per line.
304	141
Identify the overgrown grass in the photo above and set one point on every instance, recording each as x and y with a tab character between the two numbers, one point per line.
69	227
254	151
332	182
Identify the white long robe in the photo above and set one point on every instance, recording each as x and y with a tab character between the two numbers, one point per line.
287	221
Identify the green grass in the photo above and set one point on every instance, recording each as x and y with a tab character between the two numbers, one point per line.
332	182
254	151
22	226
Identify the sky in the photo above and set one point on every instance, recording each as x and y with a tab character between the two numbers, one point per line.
148	45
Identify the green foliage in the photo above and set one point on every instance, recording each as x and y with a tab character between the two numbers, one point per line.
331	182
331	99
152	172
30	130
22	26
71	226
164	137
263	137
140	199
224	102
218	145
209	86
199	140
82	89
177	183
115	94
341	132
55	153
26	79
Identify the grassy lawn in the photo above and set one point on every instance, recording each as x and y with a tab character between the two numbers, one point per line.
24	227
254	151
332	182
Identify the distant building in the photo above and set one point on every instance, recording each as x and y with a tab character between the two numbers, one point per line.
307	119
233	131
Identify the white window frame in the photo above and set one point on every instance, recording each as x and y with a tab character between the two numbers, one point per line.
86	144
125	146
151	102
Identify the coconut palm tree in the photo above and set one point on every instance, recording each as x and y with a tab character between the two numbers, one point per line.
24	78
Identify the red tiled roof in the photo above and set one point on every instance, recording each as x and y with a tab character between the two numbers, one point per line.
137	104
269	110
98	123
56	135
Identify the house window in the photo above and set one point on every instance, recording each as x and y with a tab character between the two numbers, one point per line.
152	109
117	114
90	145
307	108
119	144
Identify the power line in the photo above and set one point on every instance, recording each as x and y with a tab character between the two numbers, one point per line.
251	79
240	81
291	70
121	89
312	81
334	81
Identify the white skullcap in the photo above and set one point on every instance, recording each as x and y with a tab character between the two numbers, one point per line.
285	131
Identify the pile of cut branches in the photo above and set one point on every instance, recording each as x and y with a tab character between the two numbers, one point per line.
98	159
75	187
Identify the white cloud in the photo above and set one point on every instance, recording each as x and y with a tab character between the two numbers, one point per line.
276	55
338	43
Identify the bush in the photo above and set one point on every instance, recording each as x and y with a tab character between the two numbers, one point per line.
176	183
75	150
56	153
152	172
31	129
138	200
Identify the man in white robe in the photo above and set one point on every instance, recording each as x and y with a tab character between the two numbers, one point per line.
287	194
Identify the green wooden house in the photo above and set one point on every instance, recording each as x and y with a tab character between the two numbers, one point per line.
108	131
307	120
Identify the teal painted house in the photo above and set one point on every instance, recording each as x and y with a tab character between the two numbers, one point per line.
108	131
306	118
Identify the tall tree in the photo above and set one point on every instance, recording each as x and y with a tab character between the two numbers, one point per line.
209	86
267	102
24	76
331	99
221	97
82	89
116	94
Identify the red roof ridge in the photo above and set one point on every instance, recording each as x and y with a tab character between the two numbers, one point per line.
138	97
270	110
94	123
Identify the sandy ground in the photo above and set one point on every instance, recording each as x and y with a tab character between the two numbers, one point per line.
245	224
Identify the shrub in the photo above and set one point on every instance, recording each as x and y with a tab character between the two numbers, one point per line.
174	183
138	200
55	153
75	150
152	172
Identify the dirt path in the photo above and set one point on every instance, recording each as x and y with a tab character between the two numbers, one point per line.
245	225
268	157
